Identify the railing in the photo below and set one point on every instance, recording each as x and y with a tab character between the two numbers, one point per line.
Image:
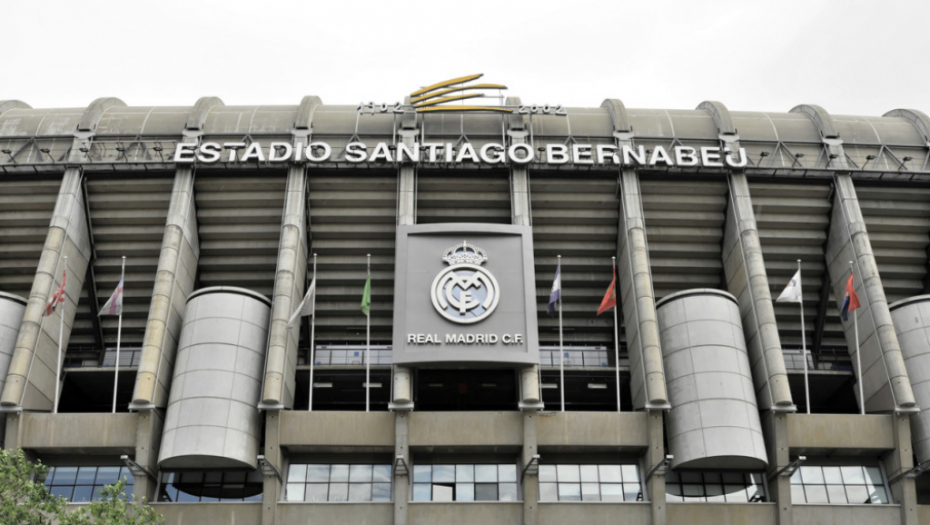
354	355
827	359
128	358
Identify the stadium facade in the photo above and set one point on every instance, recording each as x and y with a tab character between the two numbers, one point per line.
459	399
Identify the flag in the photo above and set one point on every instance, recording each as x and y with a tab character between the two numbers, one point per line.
114	305
792	293
851	302
556	290
366	297
57	298
610	298
305	307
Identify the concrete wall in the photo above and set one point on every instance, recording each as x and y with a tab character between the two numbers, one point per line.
468	513
594	514
808	514
336	513
12	308
840	433
722	513
471	429
210	513
79	433
911	319
335	430
626	430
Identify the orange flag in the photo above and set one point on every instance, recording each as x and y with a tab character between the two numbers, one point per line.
610	298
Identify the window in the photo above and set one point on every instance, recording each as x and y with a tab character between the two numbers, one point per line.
465	483
589	483
195	486
715	487
321	482
80	484
838	485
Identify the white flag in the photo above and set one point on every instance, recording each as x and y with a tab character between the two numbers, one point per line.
114	304
305	307
792	293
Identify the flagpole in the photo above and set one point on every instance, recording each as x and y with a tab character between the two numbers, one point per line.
368	347
312	335
858	358
61	335
558	272
616	338
119	331
807	391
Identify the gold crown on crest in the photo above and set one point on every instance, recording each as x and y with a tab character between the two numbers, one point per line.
465	254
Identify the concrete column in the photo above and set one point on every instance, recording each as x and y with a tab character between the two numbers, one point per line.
401	482
148	438
530	483
290	279
748	282
406	215
655	454
271	493
174	281
904	490
775	428
885	382
647	375
32	376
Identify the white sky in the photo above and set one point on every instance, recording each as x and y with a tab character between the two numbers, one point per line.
850	56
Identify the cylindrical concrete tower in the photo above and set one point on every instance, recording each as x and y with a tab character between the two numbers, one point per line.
911	318
714	422
212	420
12	308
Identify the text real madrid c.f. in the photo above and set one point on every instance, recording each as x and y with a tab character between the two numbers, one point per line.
445	153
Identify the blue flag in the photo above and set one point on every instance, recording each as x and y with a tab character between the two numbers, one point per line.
556	291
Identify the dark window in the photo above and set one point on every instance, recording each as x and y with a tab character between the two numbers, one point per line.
729	487
81	484
202	486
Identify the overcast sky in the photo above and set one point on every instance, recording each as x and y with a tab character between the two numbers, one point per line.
851	57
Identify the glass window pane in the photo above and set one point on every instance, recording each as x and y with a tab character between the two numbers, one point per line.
380	492
339	473
486	492
295	492
62	490
186	497
857	494
443	473
82	493
507	473
86	475
673	492
486	473
464	492
65	475
381	473
611	473
589	474
797	494
632	492
297	474
735	493
339	491
464	473
796	479
756	492
422	491
692	491
191	478
234	477
878	495
213	478
756	478
733	478
360	473
630	473
712	477
548	491
873	476
832	476
816	493
124	473
96	496
508	492
836	493
547	474
590	492
853	475
569	492
691	477
317	492
714	492
422	474
568	474
318	473
612	492
443	493
359	491
812	475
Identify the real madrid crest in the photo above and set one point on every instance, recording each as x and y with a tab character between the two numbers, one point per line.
465	293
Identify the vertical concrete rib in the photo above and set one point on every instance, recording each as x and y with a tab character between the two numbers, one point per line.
406	215
885	383
747	280
647	375
34	368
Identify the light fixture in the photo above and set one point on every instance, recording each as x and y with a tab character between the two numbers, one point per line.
268	470
137	470
661	468
322	385
788	470
371	385
400	466
597	386
532	468
550	385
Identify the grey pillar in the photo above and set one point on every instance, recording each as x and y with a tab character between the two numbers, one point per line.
32	376
271	491
149	428
655	454
401	479
530	482
406	215
903	490
775	428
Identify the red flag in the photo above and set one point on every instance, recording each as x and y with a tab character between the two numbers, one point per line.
610	298
851	301
58	298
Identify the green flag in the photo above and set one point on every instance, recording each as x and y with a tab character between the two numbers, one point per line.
366	297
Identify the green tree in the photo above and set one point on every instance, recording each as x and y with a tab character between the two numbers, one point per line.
24	501
114	508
